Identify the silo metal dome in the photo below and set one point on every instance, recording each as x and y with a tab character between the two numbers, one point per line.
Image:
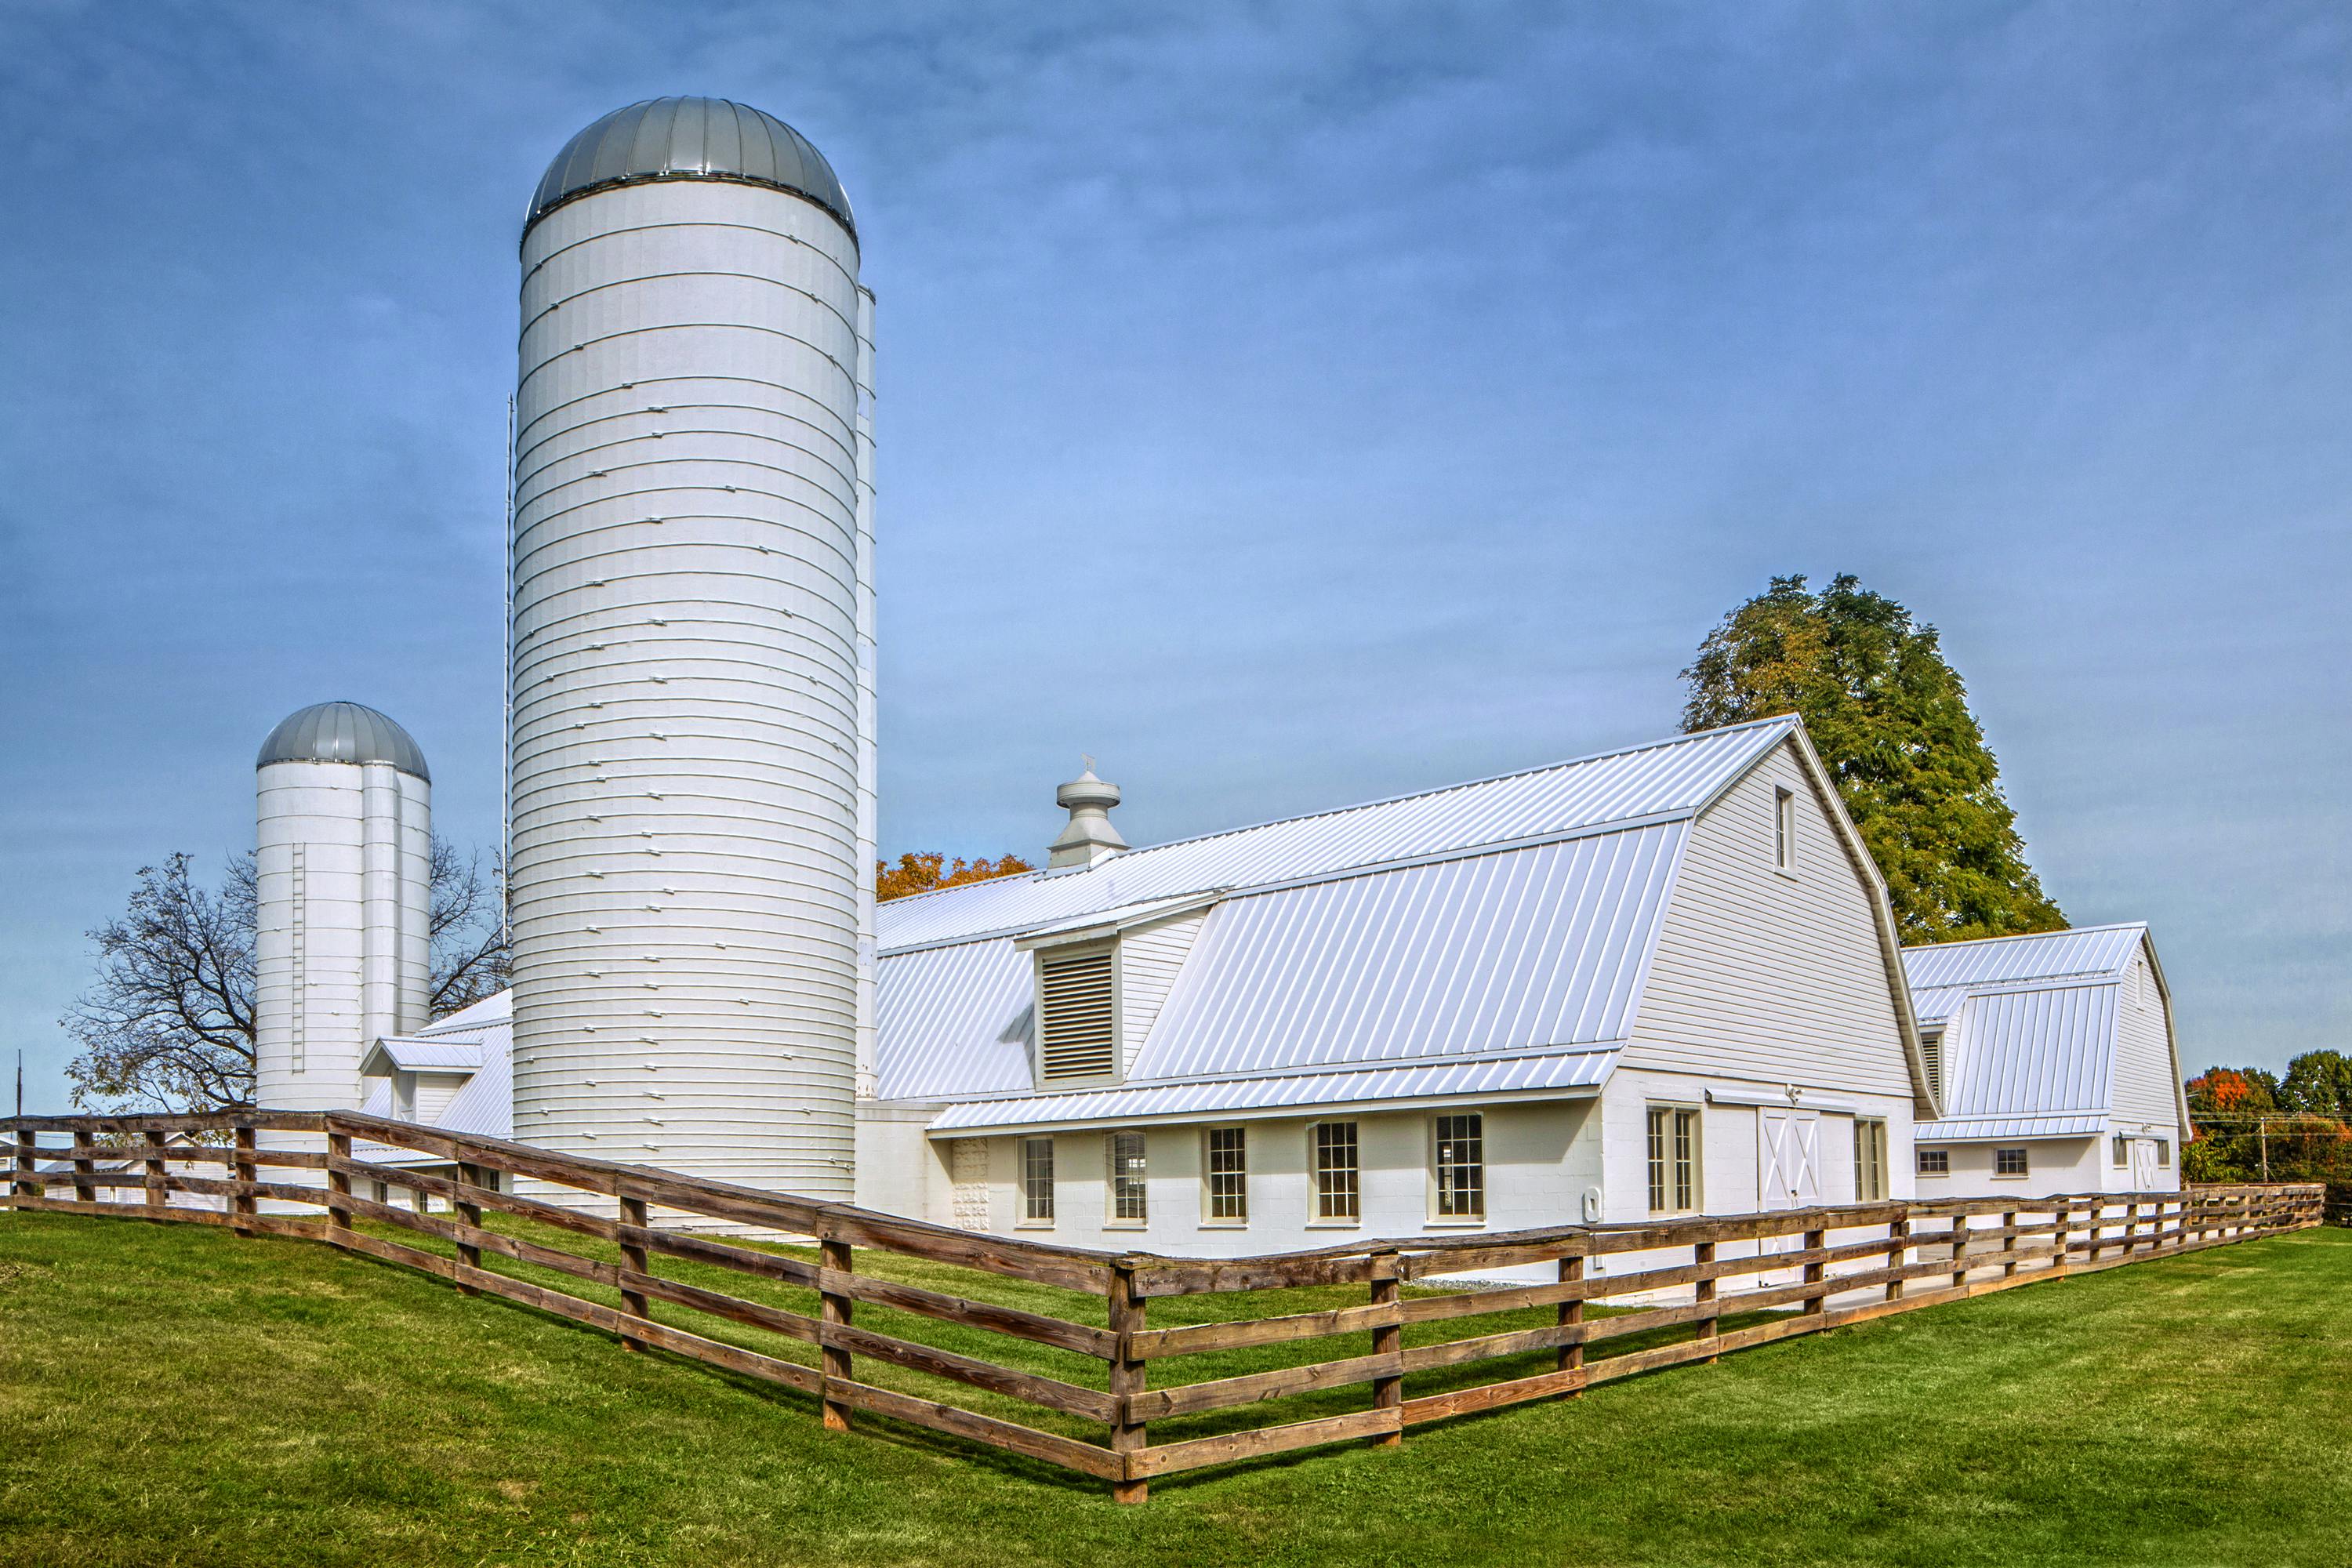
689	139
343	732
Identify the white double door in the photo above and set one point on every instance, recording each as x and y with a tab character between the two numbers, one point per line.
1788	1159
1788	1175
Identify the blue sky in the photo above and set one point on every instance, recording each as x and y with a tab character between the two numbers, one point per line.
1289	404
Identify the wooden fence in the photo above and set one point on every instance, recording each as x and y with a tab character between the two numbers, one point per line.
1607	1302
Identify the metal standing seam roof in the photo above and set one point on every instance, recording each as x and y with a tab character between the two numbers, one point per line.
1997	1129
1557	1071
2048	1051
1518	950
2042	956
689	139
953	1021
1660	781
343	732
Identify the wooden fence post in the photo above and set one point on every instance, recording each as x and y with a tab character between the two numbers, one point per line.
27	1166
157	1198
243	1204
1571	1313
1959	1252
85	1189
835	1309
2098	1210
1711	1325
1388	1339
339	1182
1816	1273
1127	1380
1898	1248
2008	1245
634	1258
468	1253
2131	1227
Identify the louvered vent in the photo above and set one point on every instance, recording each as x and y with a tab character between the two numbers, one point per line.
1074	1032
1931	1052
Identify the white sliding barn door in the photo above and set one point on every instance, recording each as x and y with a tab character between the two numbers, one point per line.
1788	1159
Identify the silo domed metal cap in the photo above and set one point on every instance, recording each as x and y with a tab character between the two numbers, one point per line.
689	139
343	732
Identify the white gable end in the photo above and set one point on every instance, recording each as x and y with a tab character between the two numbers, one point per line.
1767	974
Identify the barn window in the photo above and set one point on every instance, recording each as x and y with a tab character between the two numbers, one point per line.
1037	1181
2009	1162
2121	1154
1127	1189
1336	1172
1935	1162
1673	1159
1227	1169
1784	831
2163	1151
1076	1033
1869	1160
1461	1161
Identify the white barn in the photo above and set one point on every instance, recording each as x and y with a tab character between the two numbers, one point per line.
1661	980
1664	980
2057	1065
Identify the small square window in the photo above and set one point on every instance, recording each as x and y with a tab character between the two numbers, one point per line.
1935	1162
2009	1163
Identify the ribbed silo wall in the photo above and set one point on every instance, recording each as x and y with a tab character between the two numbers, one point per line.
686	738
869	724
340	869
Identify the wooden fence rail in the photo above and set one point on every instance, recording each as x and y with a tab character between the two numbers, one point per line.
1602	1301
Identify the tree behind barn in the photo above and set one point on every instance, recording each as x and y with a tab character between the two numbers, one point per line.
1891	720
921	871
168	1025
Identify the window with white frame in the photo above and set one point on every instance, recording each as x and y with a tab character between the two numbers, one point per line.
2163	1151
1338	1173
1935	1162
1225	1166
1037	1181
1460	1158
1126	1185
1869	1160
1673	1159
2009	1163
2121	1156
1784	831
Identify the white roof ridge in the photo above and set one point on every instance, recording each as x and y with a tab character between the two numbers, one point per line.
1112	862
1912	947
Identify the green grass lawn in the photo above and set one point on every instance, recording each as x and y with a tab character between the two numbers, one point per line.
177	1395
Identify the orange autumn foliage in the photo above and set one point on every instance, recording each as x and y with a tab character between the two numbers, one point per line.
921	873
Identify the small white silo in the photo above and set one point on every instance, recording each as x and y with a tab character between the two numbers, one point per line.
689	756
342	885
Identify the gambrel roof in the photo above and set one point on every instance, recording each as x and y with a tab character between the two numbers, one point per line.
2030	1029
1465	940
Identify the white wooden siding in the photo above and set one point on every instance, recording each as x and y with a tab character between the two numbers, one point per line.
1150	959
1764	977
2144	1056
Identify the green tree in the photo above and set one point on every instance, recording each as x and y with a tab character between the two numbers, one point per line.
1891	720
2318	1081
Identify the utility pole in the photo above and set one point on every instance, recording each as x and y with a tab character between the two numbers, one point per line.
2262	1135
20	1080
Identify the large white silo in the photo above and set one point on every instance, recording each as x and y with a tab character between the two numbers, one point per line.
690	754
342	884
